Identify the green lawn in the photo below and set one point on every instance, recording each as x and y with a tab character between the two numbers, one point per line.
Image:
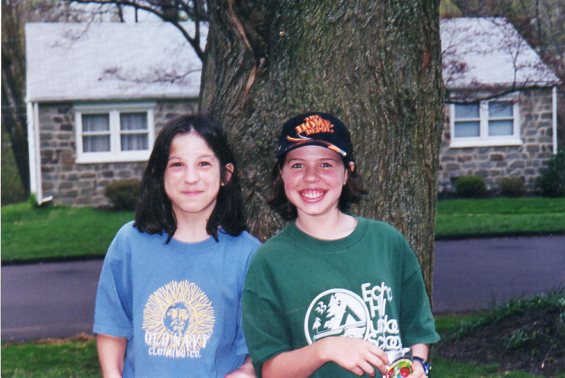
500	216
77	358
57	232
62	358
30	233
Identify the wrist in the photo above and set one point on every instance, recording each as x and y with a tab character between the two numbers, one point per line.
425	364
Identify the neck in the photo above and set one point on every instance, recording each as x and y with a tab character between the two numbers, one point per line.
191	230
333	226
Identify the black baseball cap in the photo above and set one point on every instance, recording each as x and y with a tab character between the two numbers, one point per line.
318	129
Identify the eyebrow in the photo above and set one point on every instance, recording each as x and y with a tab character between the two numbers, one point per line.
204	156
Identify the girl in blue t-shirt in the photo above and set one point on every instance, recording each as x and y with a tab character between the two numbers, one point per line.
169	295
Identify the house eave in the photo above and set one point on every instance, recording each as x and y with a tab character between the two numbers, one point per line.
54	99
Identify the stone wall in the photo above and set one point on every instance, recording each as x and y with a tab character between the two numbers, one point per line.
83	184
494	163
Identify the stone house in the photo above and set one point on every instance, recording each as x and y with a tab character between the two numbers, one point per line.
98	94
96	97
501	115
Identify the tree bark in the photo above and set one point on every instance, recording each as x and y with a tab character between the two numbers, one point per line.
374	64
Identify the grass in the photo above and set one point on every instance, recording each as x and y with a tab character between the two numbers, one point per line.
500	216
77	357
51	358
31	233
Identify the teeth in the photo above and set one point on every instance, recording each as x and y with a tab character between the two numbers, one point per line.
312	194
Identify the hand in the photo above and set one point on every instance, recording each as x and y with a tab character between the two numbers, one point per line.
356	355
244	371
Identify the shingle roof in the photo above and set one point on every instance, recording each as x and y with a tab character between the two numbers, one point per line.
113	61
487	52
109	61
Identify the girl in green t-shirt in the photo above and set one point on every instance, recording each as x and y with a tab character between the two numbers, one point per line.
316	281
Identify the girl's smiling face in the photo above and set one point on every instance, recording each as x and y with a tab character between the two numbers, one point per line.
192	177
313	179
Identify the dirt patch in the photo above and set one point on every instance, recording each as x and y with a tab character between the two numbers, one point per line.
532	341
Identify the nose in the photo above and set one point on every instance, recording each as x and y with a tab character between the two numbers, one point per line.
311	174
191	175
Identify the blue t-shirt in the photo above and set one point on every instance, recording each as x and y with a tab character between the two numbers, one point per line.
178	304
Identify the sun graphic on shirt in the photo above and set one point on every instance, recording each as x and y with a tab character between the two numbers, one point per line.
178	320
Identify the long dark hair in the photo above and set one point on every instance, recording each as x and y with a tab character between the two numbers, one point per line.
352	191
154	213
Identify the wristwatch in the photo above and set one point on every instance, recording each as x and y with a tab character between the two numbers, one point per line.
425	364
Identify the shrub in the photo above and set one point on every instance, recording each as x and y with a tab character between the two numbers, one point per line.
123	194
512	186
470	186
552	179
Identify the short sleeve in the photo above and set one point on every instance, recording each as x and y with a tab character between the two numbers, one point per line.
417	324
113	308
266	329
241	344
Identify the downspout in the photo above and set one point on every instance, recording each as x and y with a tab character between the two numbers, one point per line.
33	151
554	118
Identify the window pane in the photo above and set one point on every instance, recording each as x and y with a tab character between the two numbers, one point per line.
134	142
95	122
97	143
498	128
133	121
466	111
467	129
500	109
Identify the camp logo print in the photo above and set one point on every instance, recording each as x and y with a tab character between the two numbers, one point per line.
336	312
340	312
178	320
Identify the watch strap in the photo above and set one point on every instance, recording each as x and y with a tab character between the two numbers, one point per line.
425	364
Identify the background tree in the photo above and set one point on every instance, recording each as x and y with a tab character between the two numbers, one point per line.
15	13
172	11
375	64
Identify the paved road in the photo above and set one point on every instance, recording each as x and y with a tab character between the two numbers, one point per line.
57	299
478	273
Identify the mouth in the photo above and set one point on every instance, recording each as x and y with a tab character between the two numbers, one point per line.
191	193
312	195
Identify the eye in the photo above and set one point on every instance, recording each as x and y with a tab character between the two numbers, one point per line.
296	165
204	163
175	164
326	165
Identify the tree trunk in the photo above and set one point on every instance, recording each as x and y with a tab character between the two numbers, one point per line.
374	64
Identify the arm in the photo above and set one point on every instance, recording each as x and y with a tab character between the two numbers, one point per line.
355	355
111	353
244	371
419	350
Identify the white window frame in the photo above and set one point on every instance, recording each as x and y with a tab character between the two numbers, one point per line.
114	110
484	139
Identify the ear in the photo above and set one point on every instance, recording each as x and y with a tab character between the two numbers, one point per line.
350	168
227	176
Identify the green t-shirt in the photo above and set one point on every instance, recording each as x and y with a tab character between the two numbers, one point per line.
367	285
